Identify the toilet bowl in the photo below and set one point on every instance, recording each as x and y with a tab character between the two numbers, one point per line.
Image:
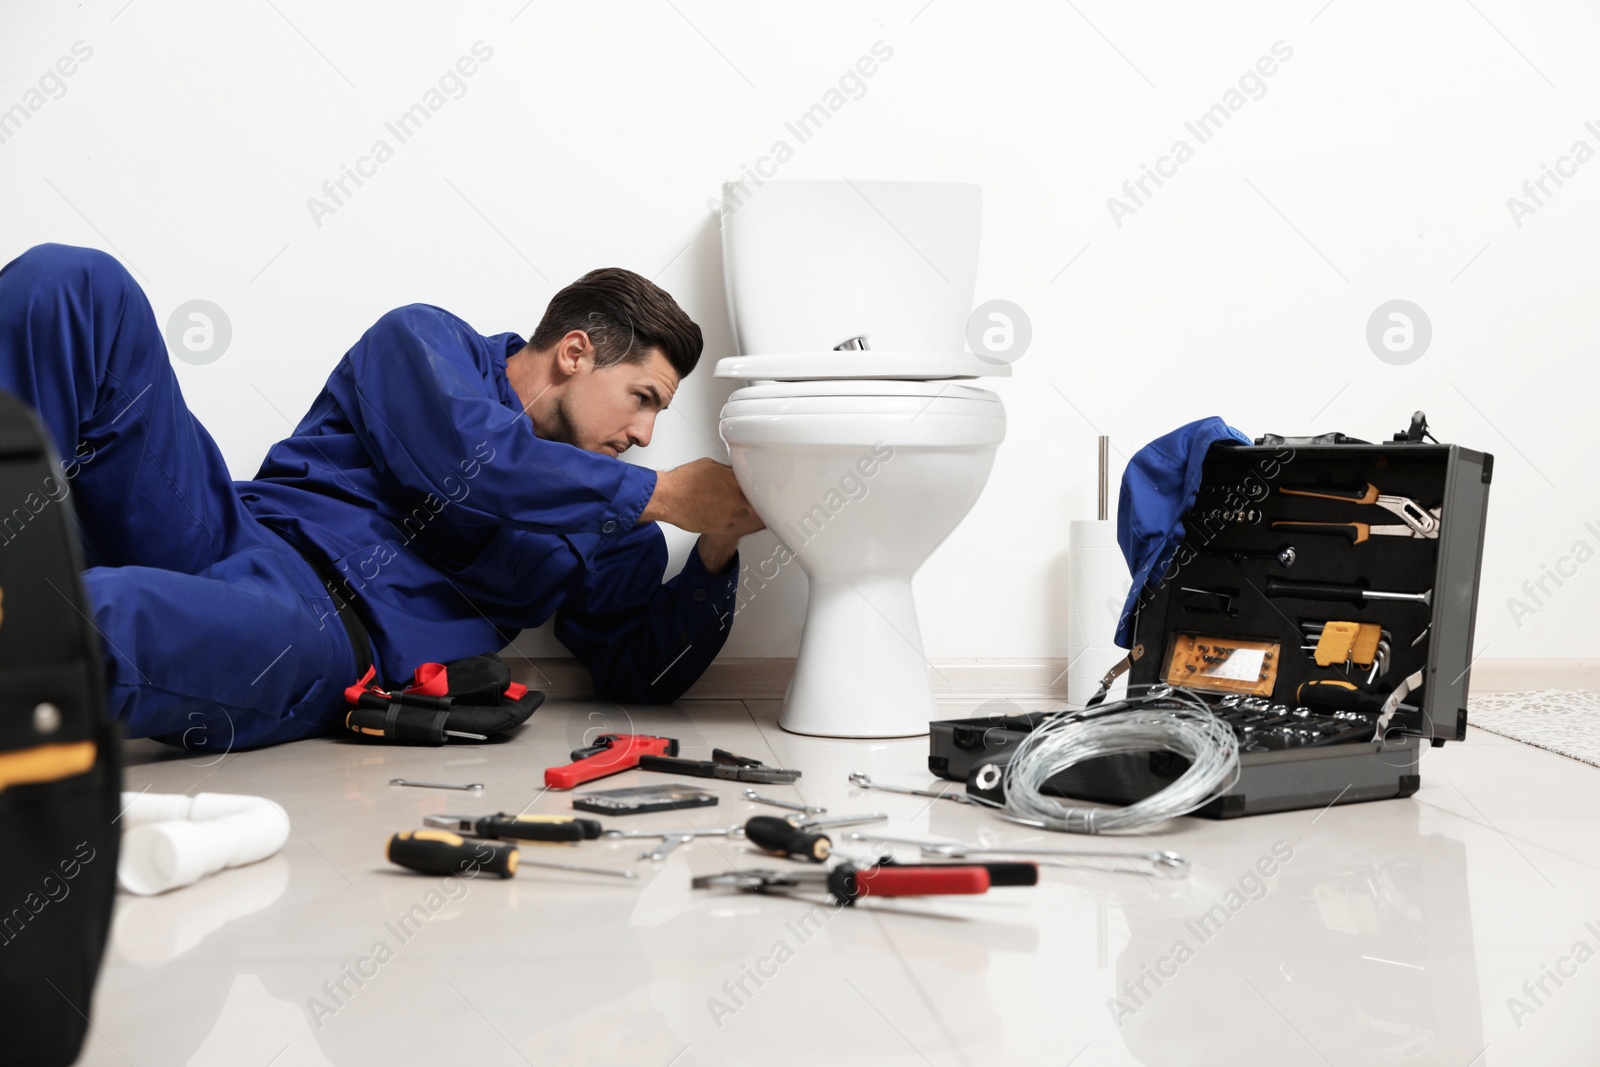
857	438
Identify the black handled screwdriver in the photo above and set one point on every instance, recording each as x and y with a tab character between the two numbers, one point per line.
520	827
1338	592
786	839
438	852
442	853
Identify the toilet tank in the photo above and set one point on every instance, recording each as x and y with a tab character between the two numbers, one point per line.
810	264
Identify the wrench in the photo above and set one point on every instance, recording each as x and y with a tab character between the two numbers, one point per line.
671	839
804	809
817	823
1167	864
668	843
470	787
866	782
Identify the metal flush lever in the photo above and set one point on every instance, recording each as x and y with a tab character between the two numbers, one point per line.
858	343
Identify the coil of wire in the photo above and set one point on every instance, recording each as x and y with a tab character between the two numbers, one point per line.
1162	720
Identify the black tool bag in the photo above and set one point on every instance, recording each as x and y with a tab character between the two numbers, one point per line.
60	761
1238	620
470	699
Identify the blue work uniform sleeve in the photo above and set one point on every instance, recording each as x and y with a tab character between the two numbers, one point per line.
645	642
432	422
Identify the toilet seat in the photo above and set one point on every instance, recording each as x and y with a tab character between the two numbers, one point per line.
847	414
871	364
861	387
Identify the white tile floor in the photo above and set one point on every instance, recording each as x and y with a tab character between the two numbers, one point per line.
1420	931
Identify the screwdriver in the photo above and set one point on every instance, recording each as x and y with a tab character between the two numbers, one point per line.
442	853
1338	591
438	852
521	827
787	839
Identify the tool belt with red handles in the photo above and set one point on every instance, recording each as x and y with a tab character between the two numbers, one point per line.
469	699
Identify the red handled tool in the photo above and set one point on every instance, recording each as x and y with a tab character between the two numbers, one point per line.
848	883
610	754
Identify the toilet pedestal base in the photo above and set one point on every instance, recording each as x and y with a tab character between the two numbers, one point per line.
860	671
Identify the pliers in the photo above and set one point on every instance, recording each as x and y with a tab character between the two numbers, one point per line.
1418	521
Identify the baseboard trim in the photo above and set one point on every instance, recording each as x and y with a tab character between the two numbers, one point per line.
965	683
959	681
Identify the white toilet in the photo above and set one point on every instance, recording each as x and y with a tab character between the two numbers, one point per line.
855	438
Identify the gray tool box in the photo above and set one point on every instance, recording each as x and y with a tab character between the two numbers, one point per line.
1241	621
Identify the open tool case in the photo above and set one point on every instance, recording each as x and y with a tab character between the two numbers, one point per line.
1221	621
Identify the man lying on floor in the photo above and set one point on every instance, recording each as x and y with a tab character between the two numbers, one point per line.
449	489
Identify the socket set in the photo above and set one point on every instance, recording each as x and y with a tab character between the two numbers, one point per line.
1263	726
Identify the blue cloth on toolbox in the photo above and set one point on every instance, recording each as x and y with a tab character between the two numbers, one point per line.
1158	488
415	479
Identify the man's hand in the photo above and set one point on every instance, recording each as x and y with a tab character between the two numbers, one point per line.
702	497
715	551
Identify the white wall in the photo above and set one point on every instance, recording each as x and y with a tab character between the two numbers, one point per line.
1377	165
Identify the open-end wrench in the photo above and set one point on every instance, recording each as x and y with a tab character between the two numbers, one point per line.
866	782
788	805
668	843
671	839
822	823
725	831
469	787
1167	864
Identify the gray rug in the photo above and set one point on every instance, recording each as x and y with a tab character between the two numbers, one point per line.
1564	722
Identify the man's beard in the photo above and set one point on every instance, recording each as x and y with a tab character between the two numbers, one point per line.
557	425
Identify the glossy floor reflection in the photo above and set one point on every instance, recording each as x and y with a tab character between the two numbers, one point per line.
1456	927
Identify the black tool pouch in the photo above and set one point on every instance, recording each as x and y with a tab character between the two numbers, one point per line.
465	700
60	760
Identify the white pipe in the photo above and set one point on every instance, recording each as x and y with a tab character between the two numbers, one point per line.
170	840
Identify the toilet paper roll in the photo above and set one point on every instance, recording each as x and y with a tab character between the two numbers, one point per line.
174	840
1097	585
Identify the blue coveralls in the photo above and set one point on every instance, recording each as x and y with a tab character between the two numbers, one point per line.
415	484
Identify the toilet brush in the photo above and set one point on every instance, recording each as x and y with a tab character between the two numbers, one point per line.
1097	583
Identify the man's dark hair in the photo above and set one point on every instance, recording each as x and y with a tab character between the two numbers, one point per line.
625	315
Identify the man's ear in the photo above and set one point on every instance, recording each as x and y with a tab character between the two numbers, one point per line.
572	351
